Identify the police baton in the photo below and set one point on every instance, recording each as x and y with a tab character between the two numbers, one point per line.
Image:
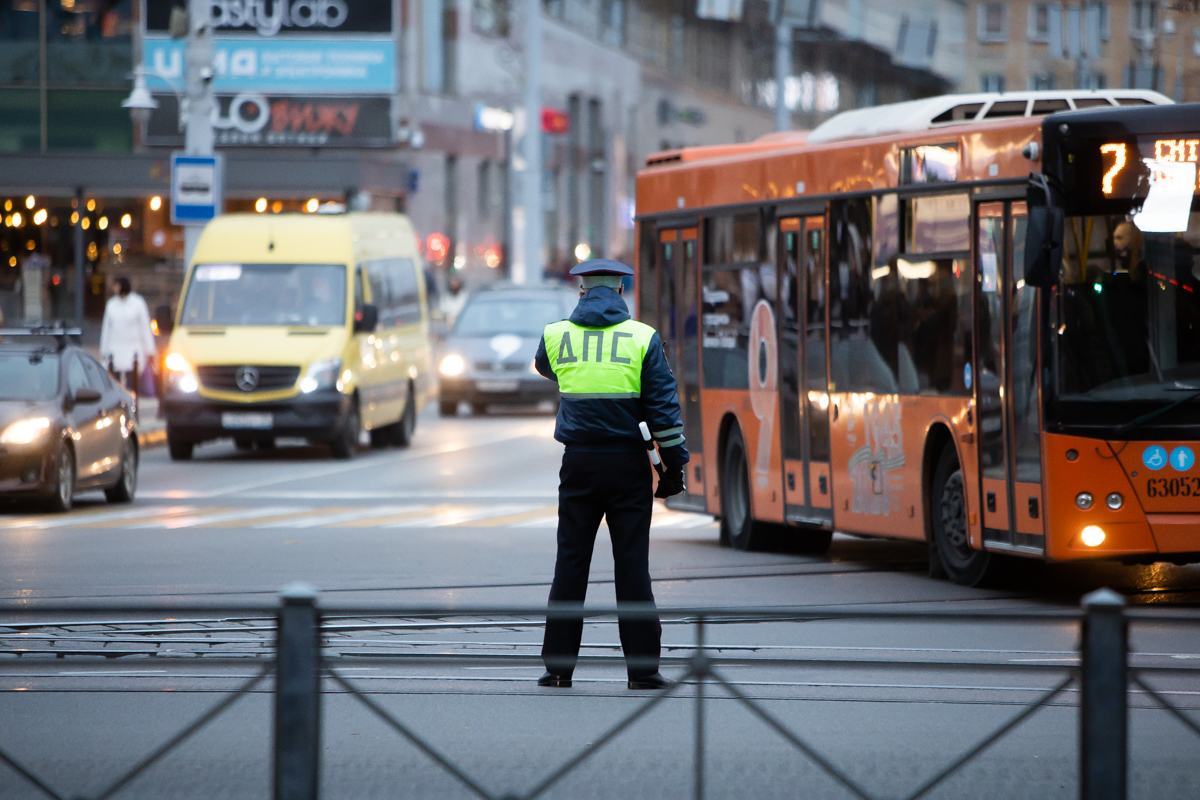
654	459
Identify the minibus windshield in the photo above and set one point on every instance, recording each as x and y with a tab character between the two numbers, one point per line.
307	295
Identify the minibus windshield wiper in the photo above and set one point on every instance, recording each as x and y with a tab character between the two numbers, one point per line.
1121	430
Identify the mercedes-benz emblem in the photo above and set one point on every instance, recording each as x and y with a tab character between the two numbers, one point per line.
246	378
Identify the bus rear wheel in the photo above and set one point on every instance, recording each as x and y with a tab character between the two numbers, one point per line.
738	528
962	564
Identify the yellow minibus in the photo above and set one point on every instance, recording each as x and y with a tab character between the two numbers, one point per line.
299	325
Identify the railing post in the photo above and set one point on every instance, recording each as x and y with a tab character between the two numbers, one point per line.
700	664
298	695
1103	705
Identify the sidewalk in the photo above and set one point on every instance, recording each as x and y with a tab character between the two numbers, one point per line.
152	430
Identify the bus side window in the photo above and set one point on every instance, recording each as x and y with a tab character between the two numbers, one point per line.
862	324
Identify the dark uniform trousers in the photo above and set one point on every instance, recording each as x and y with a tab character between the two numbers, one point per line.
594	485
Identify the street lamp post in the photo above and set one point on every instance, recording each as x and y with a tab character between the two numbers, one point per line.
529	268
198	75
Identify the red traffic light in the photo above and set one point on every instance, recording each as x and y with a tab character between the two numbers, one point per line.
555	121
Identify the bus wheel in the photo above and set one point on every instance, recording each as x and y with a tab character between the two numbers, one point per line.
738	527
962	564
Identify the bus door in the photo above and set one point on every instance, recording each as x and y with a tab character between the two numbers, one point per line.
678	325
803	383
1006	384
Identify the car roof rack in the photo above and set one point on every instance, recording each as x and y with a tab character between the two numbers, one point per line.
62	335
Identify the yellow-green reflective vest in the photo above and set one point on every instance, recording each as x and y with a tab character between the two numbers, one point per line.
598	363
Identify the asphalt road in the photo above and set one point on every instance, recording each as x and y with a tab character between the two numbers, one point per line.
465	519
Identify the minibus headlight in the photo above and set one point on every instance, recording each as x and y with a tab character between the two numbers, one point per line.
452	364
321	375
180	377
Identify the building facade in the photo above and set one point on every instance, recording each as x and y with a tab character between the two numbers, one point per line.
375	103
1130	44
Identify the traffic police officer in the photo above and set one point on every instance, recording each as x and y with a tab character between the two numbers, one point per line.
612	374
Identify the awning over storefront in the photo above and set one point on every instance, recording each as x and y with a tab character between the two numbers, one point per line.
247	174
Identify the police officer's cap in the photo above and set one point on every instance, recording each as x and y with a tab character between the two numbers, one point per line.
602	266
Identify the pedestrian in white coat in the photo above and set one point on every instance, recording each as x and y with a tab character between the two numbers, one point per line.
126	340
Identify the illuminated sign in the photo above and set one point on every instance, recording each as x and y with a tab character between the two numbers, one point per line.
1126	174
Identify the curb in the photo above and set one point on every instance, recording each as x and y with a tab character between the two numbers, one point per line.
156	438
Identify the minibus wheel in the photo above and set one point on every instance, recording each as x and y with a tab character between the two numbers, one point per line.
738	527
345	440
948	505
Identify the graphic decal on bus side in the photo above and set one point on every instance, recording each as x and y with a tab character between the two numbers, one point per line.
764	384
876	468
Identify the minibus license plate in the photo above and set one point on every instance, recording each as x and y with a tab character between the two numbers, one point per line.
496	386
247	420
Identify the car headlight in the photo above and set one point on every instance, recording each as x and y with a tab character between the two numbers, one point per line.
25	431
321	375
452	364
180	377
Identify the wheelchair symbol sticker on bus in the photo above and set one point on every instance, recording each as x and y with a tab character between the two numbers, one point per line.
1182	458
1154	457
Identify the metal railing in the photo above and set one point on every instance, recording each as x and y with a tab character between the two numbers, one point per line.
302	673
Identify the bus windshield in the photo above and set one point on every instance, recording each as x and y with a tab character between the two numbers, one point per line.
305	295
1125	316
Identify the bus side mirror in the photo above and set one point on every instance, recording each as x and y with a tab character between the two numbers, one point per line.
164	320
366	318
1043	246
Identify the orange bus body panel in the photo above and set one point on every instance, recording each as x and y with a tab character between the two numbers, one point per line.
879	465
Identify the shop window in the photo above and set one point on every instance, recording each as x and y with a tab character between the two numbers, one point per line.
20	120
88	120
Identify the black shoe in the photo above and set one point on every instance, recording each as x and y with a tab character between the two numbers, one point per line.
556	681
655	681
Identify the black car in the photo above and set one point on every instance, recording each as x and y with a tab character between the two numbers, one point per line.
65	425
488	356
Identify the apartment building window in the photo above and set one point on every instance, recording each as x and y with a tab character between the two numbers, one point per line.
483	189
439	37
1039	22
993	22
991	83
491	17
1041	83
1143	18
612	22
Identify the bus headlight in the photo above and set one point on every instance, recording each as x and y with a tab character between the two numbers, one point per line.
452	365
1114	500
320	375
1084	500
1092	536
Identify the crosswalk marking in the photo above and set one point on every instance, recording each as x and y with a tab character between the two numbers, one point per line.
455	516
199	520
273	517
350	515
47	521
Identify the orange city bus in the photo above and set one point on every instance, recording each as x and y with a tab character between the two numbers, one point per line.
862	344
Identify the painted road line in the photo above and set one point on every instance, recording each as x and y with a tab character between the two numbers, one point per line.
291	513
680	520
510	520
384	520
546	521
455	516
354	515
207	518
102	518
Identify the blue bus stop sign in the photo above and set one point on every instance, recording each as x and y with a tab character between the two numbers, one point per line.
196	188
